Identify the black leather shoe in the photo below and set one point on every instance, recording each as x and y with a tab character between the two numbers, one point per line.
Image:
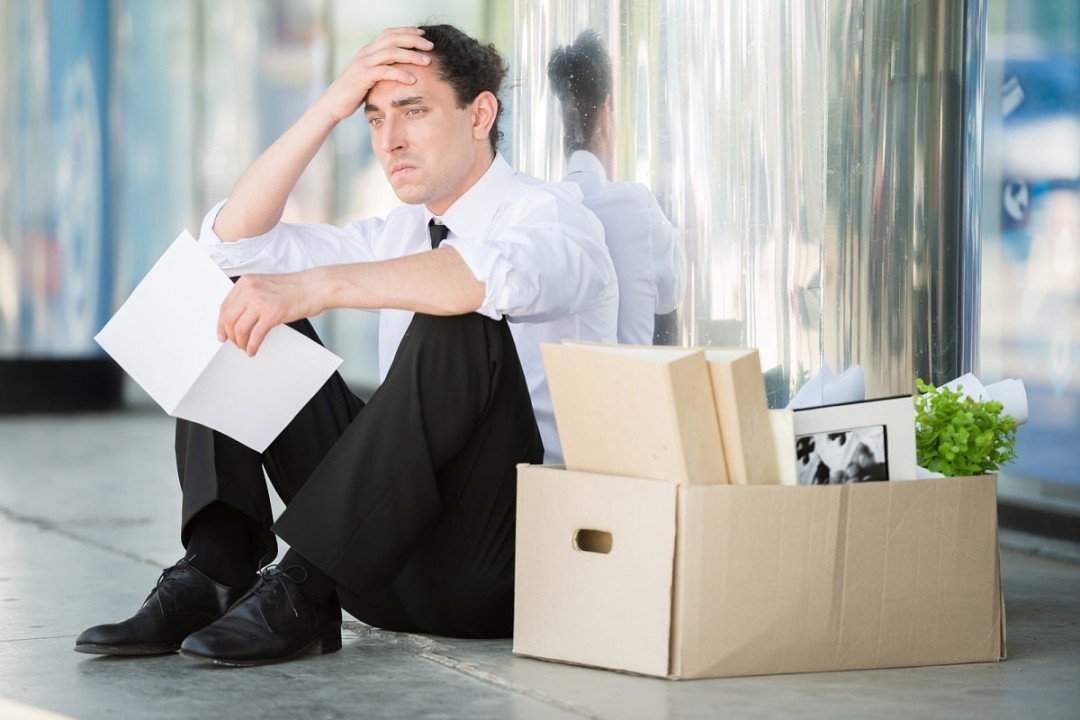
183	601
273	623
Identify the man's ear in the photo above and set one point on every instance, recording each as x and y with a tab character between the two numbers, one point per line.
485	107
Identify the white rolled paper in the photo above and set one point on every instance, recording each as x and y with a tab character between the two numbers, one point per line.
825	388
970	386
1010	393
1013	395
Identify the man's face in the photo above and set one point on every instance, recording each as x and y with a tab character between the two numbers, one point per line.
426	144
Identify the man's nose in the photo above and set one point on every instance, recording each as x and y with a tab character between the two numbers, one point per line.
392	136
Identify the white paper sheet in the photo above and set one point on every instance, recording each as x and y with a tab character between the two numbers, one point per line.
165	337
827	388
1010	393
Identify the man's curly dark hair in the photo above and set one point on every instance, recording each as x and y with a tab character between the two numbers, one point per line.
469	67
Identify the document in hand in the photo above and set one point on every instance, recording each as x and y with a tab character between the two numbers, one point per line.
165	337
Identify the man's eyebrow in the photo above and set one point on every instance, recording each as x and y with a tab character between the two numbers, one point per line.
415	100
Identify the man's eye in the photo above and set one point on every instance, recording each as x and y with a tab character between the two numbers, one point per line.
375	121
415	111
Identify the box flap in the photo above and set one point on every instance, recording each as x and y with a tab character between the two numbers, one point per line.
636	411
743	412
601	597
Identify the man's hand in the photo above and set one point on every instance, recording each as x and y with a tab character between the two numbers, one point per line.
381	59
258	303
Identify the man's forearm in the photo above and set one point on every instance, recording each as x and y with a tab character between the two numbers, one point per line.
258	199
436	283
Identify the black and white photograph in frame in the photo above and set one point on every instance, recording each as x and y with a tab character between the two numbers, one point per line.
866	441
844	456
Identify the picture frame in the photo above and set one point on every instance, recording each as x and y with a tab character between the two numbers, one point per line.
867	441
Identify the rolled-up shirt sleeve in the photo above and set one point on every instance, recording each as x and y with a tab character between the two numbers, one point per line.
542	259
289	247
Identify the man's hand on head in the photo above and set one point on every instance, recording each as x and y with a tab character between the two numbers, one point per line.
384	58
258	303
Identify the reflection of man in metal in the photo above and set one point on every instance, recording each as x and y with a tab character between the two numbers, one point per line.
401	510
647	251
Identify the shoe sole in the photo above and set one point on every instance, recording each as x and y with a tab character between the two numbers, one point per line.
127	650
322	646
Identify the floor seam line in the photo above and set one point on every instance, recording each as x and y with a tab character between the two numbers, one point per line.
428	649
51	526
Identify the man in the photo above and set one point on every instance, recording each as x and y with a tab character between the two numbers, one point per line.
402	510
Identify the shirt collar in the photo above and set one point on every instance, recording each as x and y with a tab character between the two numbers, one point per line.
473	212
583	161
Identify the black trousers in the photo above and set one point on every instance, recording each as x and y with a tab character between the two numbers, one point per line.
407	502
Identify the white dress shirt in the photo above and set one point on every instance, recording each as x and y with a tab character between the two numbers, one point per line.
648	253
539	251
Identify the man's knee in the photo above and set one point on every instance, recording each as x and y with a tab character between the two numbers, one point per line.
453	331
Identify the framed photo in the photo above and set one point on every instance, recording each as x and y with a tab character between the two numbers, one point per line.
856	442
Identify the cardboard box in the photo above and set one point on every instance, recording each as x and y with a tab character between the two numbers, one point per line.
691	581
636	411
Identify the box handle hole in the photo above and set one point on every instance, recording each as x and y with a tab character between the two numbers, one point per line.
594	541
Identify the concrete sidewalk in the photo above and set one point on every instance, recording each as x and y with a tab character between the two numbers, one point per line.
89	507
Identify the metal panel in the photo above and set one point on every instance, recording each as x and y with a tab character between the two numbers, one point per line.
811	154
894	160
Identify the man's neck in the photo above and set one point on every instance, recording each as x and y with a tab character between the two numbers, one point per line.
479	167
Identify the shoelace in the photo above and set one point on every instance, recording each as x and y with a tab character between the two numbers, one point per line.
272	577
166	575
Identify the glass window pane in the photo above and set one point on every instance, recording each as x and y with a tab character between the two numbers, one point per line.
1031	239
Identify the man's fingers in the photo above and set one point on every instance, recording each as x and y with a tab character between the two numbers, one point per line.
226	319
256	337
255	306
237	315
241	329
384	57
401	46
403	37
395	73
407	29
247	333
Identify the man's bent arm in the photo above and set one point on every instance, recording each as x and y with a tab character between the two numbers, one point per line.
436	283
257	201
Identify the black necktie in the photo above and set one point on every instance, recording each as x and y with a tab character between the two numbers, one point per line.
437	233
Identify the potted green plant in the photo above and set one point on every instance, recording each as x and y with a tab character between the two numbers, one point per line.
959	435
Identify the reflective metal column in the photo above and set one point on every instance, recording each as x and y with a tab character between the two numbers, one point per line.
811	152
897	144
